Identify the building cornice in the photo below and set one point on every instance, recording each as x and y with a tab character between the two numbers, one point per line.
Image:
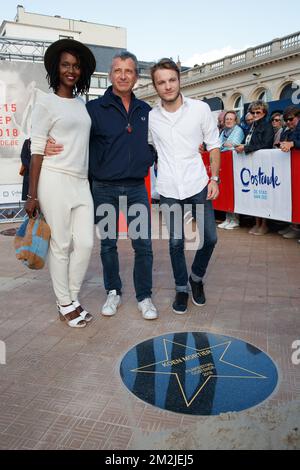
255	58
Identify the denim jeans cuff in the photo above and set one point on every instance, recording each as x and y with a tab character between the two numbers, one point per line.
181	289
195	278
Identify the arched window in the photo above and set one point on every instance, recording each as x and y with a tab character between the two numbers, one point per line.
263	96
286	92
215	104
238	106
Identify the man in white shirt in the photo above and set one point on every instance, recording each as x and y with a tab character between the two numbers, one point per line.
177	127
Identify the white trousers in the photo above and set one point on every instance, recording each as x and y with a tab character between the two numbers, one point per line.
67	205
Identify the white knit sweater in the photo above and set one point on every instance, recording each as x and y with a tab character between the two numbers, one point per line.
67	121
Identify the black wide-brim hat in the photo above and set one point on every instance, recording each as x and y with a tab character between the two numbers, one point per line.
57	47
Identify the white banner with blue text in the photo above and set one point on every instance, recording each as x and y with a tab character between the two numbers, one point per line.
262	184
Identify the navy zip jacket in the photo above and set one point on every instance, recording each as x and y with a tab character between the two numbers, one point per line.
292	135
119	149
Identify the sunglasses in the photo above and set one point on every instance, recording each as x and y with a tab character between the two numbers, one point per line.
289	119
276	120
256	112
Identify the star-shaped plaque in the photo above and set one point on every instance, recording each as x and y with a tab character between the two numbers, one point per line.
199	373
197	362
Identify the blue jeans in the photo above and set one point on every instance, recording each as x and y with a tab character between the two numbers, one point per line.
104	193
176	234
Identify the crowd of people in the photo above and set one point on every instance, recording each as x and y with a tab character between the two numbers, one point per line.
256	132
86	158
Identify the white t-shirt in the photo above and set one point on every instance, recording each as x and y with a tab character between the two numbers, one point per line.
67	121
176	136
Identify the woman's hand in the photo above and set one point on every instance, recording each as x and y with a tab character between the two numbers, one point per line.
32	207
239	148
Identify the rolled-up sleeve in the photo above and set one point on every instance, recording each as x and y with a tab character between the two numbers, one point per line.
40	128
210	130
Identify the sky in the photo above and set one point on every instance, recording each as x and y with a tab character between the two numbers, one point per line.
196	31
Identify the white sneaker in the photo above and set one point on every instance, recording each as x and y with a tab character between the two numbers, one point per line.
112	303
225	223
232	224
148	310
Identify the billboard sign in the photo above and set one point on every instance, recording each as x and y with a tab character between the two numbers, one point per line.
20	85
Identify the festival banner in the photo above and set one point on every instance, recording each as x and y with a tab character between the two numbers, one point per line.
262	184
20	85
10	193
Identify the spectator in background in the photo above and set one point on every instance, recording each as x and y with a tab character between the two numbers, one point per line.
221	123
277	123
260	136
231	135
249	119
246	123
261	133
290	137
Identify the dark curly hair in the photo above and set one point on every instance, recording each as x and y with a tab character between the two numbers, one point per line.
83	84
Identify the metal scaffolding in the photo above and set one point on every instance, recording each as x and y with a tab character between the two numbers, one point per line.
22	49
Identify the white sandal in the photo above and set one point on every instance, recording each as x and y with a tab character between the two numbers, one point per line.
77	322
87	316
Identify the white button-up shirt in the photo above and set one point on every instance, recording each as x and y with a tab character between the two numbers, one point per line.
176	136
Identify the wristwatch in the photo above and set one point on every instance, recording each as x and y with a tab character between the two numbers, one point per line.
215	178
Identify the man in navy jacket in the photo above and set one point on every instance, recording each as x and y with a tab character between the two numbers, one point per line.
120	158
290	137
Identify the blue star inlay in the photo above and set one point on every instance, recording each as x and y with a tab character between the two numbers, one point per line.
198	362
199	373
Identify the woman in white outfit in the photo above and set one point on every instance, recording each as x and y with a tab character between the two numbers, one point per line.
59	186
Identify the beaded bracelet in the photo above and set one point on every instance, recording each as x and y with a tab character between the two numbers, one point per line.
30	197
